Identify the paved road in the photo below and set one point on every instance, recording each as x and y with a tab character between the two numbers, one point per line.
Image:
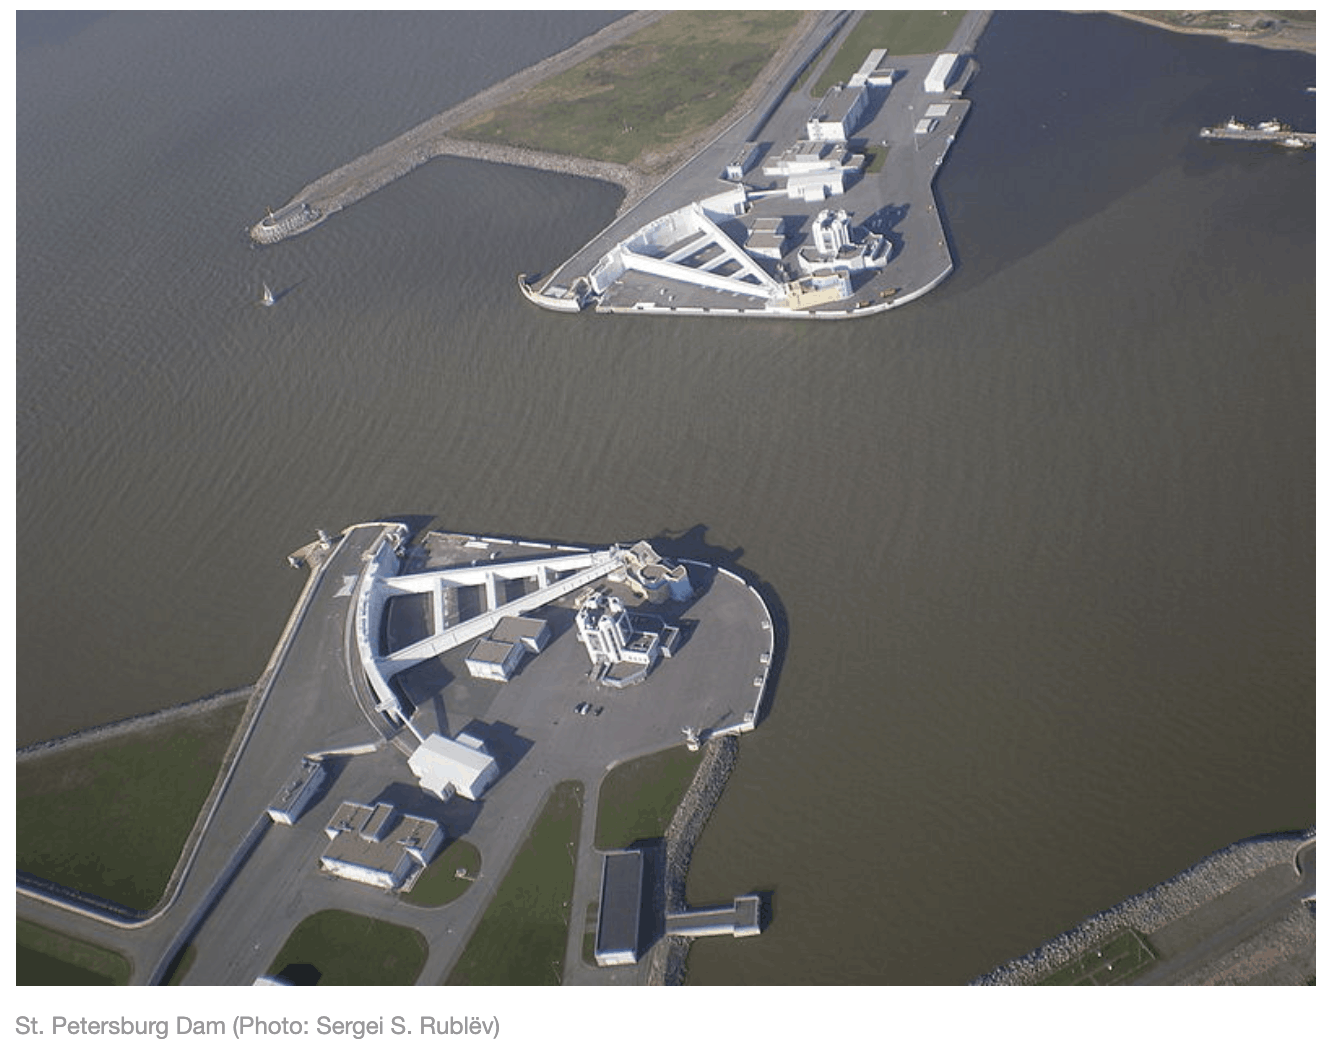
1220	943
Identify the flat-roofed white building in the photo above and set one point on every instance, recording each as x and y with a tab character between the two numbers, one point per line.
838	114
376	846
739	166
766	238
531	633
302	785
445	767
497	655
814	170
491	659
941	74
873	71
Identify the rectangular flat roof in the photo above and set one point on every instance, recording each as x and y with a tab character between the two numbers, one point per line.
620	906
511	629
490	651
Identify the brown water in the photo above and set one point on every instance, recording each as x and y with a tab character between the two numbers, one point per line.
1043	540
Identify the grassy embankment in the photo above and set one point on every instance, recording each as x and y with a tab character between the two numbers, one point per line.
339	948
47	958
134	785
1222	20
522	936
898	32
111	819
639	798
438	885
1275	30
661	85
1119	959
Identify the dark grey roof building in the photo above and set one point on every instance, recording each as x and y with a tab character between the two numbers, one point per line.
618	922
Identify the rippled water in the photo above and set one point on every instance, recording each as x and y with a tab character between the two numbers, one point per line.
1043	539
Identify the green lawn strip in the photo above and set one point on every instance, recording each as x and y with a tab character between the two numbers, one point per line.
1113	962
439	885
875	156
639	798
47	958
672	79
898	32
348	949
110	818
522	938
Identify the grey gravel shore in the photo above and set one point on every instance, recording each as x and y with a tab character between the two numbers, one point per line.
137	724
1228	884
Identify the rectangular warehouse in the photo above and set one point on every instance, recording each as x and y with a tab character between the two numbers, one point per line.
941	74
619	919
445	767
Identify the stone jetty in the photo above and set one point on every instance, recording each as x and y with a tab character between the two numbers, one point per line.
668	961
1245	915
430	139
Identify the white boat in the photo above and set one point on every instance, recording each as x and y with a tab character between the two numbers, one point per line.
267	297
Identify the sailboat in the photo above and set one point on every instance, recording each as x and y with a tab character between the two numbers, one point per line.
267	296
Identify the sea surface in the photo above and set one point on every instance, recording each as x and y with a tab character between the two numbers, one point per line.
1043	541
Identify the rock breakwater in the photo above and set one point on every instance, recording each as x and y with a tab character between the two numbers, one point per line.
433	138
379	167
137	724
1171	902
667	962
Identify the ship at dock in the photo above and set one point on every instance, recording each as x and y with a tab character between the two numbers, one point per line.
1271	130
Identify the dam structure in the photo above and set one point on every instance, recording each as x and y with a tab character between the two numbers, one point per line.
807	210
435	688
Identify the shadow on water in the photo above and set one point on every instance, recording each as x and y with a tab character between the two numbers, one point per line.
1111	106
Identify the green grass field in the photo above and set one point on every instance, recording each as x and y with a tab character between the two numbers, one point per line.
639	798
352	950
522	938
47	958
438	885
111	818
899	32
1122	957
668	81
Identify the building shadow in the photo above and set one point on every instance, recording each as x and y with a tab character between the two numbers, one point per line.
300	974
503	742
